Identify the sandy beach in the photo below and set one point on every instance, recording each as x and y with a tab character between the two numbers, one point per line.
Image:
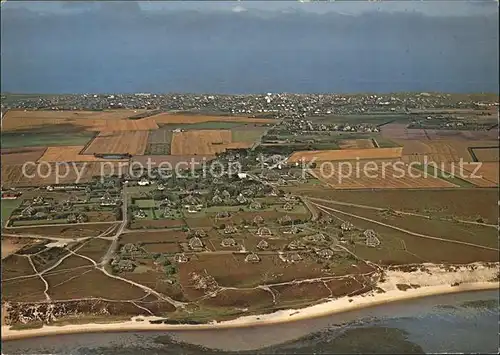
433	281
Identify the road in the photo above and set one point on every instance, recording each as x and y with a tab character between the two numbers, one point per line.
114	244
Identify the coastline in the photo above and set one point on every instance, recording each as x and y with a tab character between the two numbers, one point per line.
332	307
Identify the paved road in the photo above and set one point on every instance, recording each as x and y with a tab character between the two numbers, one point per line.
114	244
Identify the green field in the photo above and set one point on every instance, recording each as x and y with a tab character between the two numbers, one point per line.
8	206
34	139
209	125
373	119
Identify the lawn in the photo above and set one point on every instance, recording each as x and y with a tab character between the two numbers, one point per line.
145	203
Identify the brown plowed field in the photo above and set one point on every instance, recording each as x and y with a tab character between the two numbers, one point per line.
440	150
119	142
90	120
200	142
355	144
346	154
13	176
485	176
487	154
384	175
167	118
400	131
21	155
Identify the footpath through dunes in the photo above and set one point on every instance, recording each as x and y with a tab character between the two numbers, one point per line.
345	154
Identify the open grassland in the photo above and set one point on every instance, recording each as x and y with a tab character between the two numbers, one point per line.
8	206
467	204
345	154
202	142
168	118
355	143
119	142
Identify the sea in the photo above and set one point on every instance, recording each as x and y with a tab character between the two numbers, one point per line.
455	323
56	47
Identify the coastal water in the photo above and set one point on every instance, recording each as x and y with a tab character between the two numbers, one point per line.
457	323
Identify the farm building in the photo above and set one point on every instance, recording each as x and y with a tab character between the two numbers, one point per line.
140	214
325	253
292	230
255	205
288	206
371	238
293	257
195	243
217	199
28	212
228	242
181	258
285	219
230	229
252	258
199	233
295	245
263	245
222	215
241	199
264	231
258	219
10	195
347	226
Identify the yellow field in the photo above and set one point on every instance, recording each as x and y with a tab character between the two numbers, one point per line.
355	144
112	120
119	142
167	118
346	154
200	142
381	175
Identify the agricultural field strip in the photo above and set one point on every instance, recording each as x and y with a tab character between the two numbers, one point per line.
399	212
322	207
118	142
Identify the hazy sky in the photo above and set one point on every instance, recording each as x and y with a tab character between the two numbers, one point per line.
247	47
354	7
